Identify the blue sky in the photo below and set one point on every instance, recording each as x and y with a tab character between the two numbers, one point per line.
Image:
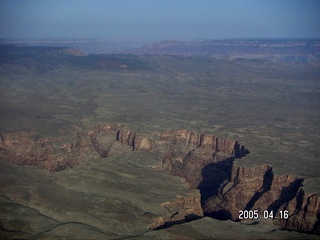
153	20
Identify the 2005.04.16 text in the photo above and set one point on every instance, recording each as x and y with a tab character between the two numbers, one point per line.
254	214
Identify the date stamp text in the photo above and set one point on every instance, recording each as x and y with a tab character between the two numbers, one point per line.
255	214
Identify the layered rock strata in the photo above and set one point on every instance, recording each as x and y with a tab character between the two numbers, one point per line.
259	189
56	154
207	163
183	209
186	153
204	160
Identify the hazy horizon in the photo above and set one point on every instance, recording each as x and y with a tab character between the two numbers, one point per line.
156	21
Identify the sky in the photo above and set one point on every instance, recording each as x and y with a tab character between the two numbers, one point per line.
154	20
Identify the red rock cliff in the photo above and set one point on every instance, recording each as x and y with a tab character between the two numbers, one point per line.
259	189
204	160
56	154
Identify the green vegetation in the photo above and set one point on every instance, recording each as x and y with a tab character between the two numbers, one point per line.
272	107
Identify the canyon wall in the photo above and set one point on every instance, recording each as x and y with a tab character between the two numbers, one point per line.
58	153
204	160
207	163
185	153
183	209
260	189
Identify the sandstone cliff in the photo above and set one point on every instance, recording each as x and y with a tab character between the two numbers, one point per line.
259	189
183	209
204	160
26	148
56	154
187	153
207	163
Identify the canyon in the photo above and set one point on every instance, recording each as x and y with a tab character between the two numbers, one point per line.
205	161
160	146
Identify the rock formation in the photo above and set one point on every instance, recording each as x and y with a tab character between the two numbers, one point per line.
204	160
207	163
259	189
187	153
56	154
183	209
24	148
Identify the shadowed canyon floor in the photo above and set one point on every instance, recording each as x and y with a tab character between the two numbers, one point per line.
143	178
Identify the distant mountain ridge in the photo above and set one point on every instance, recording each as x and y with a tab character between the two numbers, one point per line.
90	46
232	49
274	49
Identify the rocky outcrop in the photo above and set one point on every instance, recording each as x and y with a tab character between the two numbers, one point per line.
109	140
207	163
259	189
56	154
306	213
187	153
183	209
25	148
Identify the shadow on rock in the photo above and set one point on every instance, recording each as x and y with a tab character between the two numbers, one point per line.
214	177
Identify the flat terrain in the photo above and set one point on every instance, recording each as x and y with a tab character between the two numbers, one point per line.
91	199
271	107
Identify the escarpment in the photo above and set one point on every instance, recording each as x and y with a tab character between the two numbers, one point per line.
56	154
182	209
207	162
187	153
259	189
